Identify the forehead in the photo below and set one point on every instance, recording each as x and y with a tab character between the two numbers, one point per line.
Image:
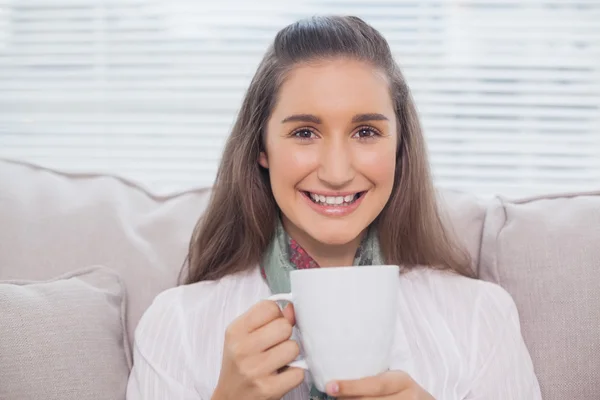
335	86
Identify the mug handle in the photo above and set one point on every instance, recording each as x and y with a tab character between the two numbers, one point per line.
300	363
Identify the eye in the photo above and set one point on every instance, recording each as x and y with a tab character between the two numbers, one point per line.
366	132
304	134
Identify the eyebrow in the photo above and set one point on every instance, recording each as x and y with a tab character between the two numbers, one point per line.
368	117
302	118
358	118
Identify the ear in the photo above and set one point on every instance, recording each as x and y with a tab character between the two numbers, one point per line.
263	160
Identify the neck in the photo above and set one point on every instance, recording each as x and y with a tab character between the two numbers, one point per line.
326	255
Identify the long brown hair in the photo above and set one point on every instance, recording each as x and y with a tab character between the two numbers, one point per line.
240	219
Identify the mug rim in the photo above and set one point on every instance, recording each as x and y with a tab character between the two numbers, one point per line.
347	268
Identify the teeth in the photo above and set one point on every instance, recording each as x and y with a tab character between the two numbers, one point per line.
332	200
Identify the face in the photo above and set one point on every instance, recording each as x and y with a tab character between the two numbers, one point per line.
331	150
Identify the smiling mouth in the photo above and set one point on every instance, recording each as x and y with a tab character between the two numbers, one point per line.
333	201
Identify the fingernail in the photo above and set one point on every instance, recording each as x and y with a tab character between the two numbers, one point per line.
332	388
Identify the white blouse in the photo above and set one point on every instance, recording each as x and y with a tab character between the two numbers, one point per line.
459	338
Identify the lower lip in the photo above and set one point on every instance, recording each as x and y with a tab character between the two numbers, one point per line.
334	211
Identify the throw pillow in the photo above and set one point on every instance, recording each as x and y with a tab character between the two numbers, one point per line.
65	338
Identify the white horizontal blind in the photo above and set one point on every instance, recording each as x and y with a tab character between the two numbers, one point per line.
508	91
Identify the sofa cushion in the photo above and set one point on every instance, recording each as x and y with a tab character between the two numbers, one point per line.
463	214
546	252
64	339
52	223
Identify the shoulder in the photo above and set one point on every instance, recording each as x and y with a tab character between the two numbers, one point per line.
195	309
470	313
192	308
456	294
470	316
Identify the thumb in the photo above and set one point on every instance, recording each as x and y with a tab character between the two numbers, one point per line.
289	314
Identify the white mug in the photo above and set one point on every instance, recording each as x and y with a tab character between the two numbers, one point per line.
346	317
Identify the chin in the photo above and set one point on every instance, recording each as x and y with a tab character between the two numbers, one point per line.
334	240
333	234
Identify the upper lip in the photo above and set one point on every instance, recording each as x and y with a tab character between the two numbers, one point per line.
333	194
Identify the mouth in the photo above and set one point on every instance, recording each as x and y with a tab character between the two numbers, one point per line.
334	201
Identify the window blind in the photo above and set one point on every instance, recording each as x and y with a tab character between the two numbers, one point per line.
508	91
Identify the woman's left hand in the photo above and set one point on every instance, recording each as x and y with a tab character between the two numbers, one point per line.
391	385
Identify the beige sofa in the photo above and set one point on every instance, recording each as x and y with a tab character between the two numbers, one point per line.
66	326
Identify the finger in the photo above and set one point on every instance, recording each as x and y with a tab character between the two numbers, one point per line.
269	335
259	315
385	384
282	383
289	313
277	357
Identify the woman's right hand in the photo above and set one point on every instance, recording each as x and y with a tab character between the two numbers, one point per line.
257	346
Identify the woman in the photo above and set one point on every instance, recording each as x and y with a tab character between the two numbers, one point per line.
326	164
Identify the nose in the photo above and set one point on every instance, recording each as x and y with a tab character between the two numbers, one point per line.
335	165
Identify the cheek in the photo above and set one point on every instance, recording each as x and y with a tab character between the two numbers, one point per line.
288	166
378	165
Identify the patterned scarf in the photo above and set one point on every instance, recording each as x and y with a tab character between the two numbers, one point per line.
284	254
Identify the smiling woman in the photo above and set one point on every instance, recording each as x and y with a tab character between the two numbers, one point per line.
326	167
